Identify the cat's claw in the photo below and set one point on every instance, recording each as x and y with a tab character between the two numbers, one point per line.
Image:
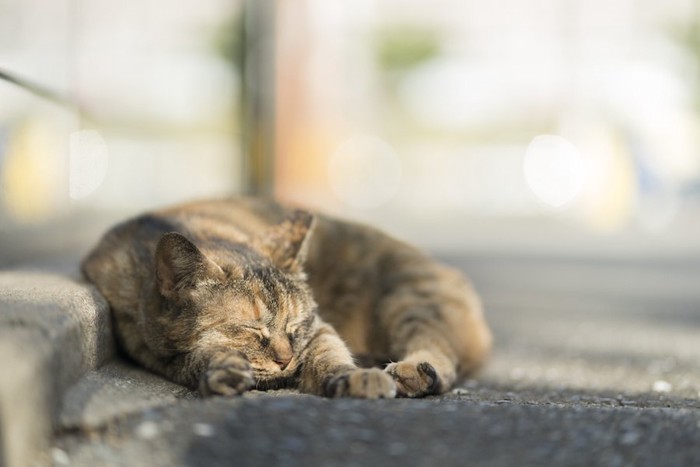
363	383
228	376
414	380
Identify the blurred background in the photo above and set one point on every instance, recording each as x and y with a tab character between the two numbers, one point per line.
558	127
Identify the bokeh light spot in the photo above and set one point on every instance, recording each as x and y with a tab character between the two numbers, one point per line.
554	170
27	175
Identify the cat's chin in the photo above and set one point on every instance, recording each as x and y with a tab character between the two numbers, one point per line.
273	374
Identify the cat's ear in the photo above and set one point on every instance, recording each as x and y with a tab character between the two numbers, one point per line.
180	264
286	243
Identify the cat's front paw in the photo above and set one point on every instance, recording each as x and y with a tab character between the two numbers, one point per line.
361	383
414	380
228	375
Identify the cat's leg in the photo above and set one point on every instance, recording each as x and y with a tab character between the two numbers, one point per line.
228	374
426	362
329	370
435	331
221	371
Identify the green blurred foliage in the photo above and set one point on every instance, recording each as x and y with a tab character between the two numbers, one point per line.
687	35
229	43
400	48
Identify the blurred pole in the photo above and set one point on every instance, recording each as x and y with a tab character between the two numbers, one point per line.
258	100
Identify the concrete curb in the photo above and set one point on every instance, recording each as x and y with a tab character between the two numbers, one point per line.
53	329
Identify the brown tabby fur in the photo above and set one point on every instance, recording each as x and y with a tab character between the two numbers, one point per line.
230	295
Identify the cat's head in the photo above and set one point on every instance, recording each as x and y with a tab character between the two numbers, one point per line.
252	297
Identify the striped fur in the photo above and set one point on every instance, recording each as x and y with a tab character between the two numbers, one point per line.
230	295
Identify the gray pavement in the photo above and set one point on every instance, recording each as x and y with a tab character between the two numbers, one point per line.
596	363
485	428
53	329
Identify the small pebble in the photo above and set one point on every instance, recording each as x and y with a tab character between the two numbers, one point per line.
460	391
661	386
294	444
629	438
203	429
147	430
470	384
60	457
397	448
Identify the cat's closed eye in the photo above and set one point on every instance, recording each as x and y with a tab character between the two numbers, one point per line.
261	334
293	331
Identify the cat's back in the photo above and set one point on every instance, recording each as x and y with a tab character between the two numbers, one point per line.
122	263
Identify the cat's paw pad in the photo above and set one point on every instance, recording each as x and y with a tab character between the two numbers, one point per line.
414	380
227	376
362	383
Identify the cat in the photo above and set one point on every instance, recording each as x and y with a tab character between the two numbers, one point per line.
236	294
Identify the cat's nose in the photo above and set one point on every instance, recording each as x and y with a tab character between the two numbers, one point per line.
283	362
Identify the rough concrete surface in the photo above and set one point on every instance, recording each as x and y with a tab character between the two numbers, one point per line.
53	328
70	314
455	430
25	397
115	390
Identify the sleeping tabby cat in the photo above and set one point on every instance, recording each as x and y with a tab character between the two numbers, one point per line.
231	295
